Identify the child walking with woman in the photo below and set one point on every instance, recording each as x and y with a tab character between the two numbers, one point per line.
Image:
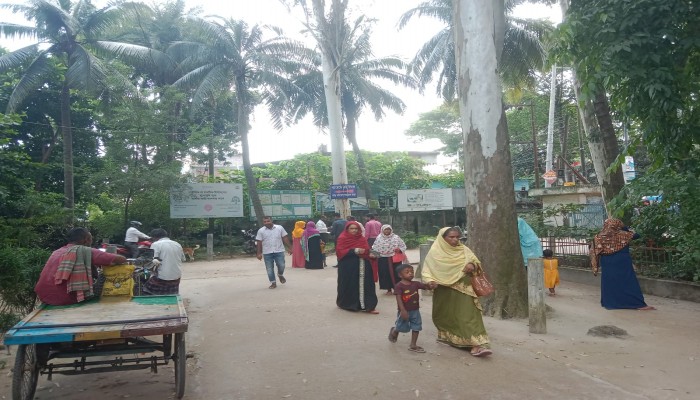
551	271
407	300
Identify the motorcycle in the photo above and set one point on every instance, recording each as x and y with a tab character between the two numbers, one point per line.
143	245
144	269
249	245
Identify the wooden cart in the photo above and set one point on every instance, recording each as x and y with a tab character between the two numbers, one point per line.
106	334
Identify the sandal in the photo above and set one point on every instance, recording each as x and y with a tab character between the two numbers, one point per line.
372	312
416	349
392	338
647	308
482	352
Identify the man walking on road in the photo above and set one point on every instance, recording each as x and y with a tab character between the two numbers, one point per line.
271	241
373	228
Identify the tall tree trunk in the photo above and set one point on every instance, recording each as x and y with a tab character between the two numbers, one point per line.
212	175
602	140
350	132
68	190
243	126
46	151
491	221
331	39
615	180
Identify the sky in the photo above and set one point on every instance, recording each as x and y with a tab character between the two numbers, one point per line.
268	144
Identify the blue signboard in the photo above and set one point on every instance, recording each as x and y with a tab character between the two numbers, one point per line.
345	191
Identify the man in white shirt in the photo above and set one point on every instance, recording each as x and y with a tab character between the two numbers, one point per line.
168	257
271	241
132	237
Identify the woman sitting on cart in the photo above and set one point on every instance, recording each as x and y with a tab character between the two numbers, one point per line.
68	274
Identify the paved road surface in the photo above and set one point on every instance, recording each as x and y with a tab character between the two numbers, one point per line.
250	342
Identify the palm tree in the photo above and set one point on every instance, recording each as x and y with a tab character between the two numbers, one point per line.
232	56
358	91
522	53
68	32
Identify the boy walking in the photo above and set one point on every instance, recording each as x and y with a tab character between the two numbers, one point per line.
408	318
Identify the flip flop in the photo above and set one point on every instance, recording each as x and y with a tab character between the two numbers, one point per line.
392	338
482	352
372	312
647	308
416	349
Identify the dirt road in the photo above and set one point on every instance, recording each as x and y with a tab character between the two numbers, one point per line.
250	342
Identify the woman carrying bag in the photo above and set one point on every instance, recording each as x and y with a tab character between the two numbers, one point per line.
392	252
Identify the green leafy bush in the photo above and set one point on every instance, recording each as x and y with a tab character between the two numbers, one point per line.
19	271
413	240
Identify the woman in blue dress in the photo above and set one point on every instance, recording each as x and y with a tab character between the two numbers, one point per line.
619	287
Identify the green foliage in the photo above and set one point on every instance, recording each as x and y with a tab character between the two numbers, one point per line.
451	179
670	223
19	271
644	54
413	240
442	123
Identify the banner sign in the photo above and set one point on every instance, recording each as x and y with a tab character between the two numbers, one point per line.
206	200
285	204
346	191
425	200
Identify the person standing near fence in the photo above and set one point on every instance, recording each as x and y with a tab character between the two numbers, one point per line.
619	287
551	271
530	244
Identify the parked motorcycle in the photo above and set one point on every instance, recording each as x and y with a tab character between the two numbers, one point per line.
144	246
249	245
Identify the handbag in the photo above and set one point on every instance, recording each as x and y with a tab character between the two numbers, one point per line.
480	283
399	257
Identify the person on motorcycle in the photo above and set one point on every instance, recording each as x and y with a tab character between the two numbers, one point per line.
167	257
132	237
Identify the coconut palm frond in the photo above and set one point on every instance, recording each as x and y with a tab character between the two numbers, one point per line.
32	78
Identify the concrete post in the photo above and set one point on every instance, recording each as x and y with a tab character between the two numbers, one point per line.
210	246
535	295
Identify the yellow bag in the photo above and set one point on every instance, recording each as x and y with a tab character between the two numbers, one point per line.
118	280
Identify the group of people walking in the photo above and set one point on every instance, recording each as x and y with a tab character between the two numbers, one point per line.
447	269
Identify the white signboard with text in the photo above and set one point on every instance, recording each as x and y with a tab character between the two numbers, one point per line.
424	200
206	200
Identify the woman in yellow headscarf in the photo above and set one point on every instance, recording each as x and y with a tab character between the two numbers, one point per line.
298	259
456	308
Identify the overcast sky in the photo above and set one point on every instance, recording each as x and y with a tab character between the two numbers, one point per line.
267	144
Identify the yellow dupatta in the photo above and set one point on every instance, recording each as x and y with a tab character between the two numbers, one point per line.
298	229
445	264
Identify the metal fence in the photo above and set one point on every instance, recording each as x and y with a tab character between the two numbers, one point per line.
648	261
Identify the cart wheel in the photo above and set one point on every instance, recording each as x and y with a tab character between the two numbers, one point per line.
180	359
26	373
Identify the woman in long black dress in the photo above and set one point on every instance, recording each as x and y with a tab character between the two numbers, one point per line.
311	244
356	291
619	287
